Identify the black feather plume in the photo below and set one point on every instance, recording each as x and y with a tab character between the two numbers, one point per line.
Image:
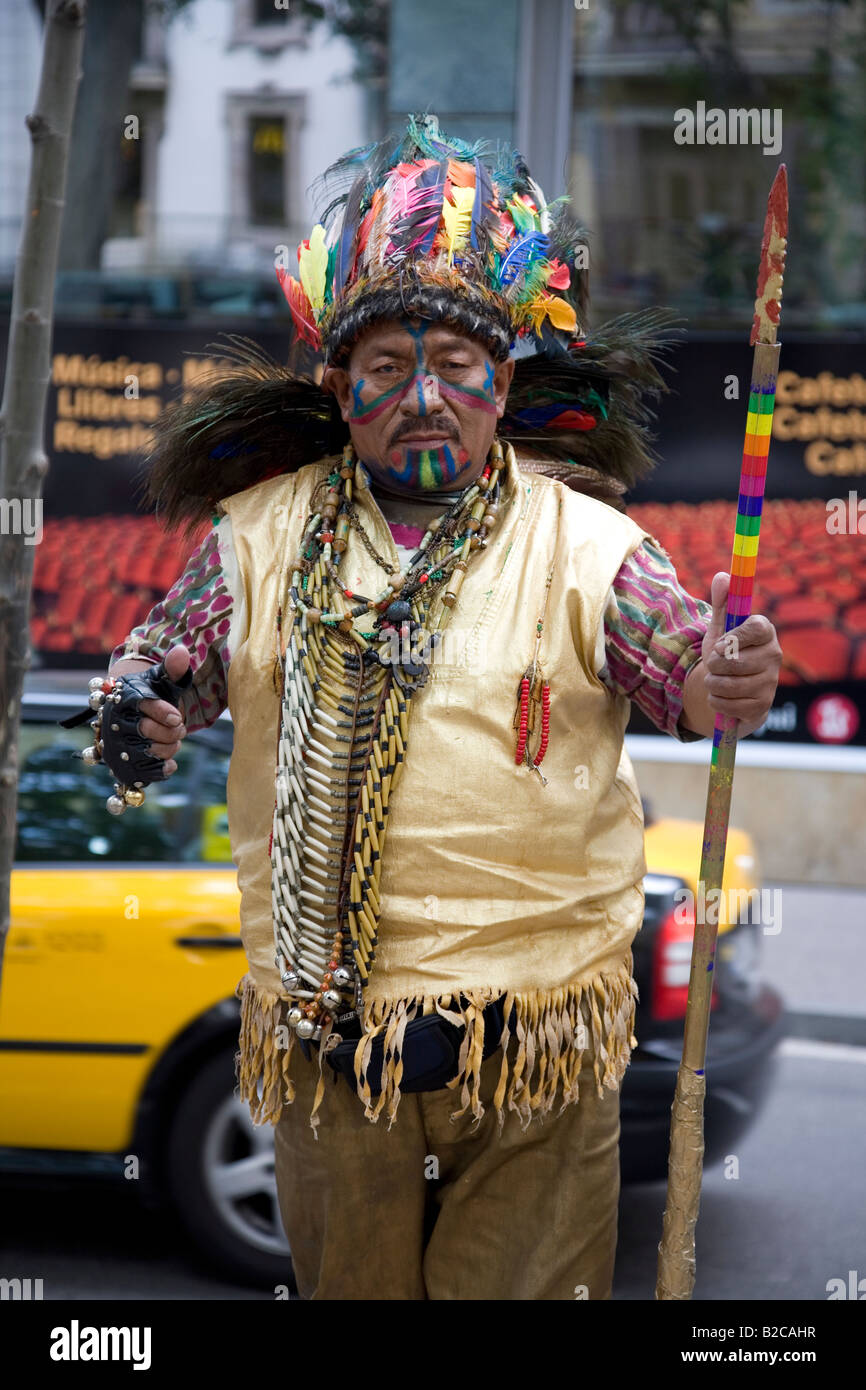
252	419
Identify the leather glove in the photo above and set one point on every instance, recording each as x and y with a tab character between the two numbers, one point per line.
119	742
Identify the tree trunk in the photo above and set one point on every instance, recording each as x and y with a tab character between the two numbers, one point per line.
111	46
23	462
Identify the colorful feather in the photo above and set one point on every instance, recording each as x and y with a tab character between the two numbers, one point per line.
457	219
301	309
550	306
419	215
461	174
367	226
313	263
521	256
483	207
560	277
530	284
348	234
525	219
333	252
377	236
423	134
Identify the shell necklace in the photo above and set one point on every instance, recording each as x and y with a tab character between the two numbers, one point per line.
344	706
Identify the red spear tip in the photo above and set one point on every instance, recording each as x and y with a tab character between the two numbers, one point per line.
777	203
772	268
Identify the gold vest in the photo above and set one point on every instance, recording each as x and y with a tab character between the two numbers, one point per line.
493	883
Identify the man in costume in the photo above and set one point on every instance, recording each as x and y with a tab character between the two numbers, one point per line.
428	645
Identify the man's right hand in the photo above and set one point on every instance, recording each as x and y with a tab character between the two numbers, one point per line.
161	722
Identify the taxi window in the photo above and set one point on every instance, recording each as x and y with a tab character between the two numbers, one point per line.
62	813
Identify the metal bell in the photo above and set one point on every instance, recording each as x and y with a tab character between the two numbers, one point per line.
306	1028
342	977
291	980
331	999
116	805
133	797
95	683
294	1017
90	755
95	699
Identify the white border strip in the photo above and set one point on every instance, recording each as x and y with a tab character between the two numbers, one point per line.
805	757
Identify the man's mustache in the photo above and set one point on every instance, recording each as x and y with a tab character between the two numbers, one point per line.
419	425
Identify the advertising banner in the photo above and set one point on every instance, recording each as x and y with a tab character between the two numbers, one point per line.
103	561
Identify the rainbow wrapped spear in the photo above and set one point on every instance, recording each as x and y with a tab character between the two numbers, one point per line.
676	1265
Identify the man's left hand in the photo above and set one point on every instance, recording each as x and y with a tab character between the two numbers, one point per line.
738	671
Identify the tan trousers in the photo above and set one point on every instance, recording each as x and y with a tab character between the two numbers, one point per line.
431	1210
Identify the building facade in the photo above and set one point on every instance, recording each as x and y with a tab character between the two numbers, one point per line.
235	107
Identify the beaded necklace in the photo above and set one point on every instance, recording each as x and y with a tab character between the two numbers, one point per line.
344	707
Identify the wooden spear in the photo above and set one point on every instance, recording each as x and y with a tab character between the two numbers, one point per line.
676	1265
23	463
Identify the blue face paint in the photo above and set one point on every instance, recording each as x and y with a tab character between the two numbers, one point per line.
418	335
423	470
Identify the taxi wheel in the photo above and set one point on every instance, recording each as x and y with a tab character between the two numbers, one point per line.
221	1179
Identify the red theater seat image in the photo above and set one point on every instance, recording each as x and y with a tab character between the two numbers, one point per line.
810	583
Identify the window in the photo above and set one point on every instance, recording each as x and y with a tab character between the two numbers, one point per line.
128	189
266	165
269	24
265	171
62	813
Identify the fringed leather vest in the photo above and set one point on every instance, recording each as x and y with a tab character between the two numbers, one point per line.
493	882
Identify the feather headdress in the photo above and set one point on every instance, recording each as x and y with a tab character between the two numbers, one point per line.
440	212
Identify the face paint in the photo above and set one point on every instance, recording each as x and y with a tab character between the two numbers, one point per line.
429	387
418	335
365	414
428	469
469	396
415	401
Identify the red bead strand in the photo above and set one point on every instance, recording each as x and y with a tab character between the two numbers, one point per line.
524	721
545	724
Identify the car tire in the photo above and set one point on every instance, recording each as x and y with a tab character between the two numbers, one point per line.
220	1174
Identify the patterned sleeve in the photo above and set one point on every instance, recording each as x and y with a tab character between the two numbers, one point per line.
201	612
653	631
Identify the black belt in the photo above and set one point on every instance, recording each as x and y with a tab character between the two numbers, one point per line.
430	1051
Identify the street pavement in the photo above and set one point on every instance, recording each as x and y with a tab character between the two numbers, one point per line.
794	1217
